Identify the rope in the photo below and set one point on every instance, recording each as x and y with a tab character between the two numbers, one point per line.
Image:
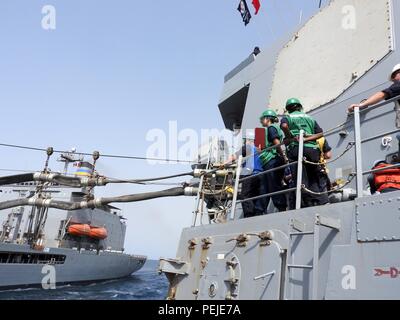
16	170
223	187
350	145
282	167
341	187
213	193
339	125
336	127
102	155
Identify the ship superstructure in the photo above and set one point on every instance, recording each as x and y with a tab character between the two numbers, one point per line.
347	249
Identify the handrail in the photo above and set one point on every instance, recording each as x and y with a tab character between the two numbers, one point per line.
236	188
380	135
299	169
358	154
267	171
296	189
358	142
197	204
394	99
377	105
381	169
268	195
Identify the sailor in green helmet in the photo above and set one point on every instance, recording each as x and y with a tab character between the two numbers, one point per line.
291	125
273	157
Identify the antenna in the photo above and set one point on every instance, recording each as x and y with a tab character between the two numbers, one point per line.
69	157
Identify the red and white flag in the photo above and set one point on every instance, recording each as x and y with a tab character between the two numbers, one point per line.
256	5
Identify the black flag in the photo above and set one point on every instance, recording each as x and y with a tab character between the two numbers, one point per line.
244	11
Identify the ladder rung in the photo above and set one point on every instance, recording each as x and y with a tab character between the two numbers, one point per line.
299	266
301	233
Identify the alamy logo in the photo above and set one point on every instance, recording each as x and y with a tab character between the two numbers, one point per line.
49	280
349	21
49	18
349	280
182	144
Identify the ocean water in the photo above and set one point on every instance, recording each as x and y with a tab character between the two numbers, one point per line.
145	284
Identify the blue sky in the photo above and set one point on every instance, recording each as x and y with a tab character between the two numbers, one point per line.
113	70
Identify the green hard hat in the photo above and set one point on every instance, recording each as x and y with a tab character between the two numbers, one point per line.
269	113
293	101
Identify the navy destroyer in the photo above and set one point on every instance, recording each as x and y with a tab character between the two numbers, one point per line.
347	249
48	246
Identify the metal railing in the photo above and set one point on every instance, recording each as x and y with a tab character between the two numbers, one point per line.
381	169
299	187
268	195
359	142
296	189
236	187
267	171
358	152
198	201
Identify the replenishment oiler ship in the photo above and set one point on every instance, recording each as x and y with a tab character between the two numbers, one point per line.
347	249
42	246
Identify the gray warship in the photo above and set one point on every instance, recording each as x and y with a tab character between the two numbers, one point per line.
42	246
347	249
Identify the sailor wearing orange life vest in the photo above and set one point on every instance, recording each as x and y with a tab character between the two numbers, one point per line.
385	180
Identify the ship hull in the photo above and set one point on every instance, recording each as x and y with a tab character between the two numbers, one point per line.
347	250
73	266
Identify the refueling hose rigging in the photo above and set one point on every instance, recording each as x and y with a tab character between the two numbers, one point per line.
77	182
97	202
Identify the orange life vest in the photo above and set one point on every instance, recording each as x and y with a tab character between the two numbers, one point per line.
389	178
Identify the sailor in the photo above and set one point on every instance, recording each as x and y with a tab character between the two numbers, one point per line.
291	125
272	158
252	187
391	92
324	182
385	180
